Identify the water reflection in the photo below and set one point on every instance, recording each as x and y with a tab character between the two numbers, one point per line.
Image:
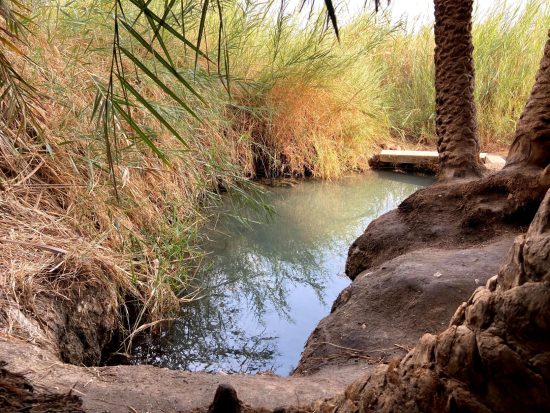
270	283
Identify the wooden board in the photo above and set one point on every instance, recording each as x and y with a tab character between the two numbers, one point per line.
418	157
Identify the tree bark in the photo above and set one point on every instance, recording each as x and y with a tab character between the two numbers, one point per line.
456	125
531	145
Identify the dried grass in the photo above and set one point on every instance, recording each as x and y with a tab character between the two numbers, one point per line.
60	225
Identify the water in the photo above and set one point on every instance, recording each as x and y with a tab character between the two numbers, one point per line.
267	284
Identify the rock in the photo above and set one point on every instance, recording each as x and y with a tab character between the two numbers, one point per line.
494	162
459	214
492	283
398	303
495	355
477	314
225	400
512	274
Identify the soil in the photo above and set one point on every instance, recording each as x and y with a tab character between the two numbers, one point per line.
76	320
384	312
152	389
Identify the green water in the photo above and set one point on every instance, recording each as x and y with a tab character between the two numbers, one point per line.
267	284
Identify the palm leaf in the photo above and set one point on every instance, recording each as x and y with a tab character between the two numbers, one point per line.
142	135
152	110
201	29
159	82
168	27
170	68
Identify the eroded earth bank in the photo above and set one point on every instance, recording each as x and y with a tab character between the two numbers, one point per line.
388	344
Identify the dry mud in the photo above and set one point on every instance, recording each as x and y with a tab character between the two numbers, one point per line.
153	389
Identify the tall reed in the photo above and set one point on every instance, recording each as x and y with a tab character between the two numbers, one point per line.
508	45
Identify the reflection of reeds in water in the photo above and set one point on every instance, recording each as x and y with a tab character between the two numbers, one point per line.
208	337
254	268
310	220
318	214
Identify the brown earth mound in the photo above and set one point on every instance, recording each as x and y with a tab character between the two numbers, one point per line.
59	290
451	214
384	312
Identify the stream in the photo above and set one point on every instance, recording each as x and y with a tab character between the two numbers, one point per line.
269	282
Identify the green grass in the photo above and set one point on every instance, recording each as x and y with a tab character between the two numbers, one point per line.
509	46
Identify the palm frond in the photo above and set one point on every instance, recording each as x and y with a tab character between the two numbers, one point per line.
18	98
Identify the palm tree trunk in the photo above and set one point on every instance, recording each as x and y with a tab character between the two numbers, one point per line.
531	145
456	125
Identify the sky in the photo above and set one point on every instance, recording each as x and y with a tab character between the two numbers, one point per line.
416	10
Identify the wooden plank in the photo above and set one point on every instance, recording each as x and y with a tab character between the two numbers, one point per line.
414	157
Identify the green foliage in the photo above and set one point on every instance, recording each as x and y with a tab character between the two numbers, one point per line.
18	98
508	48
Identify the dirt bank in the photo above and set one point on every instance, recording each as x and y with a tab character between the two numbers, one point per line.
153	389
58	289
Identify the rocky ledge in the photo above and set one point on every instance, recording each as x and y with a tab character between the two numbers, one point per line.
493	357
386	310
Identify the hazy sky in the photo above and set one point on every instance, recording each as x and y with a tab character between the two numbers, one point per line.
421	10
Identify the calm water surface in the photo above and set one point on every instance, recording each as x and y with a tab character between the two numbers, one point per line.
267	284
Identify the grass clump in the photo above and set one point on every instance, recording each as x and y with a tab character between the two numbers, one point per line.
310	105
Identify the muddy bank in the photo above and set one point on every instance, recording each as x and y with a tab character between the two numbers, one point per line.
385	311
69	308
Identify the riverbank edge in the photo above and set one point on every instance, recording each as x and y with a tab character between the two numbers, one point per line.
147	388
